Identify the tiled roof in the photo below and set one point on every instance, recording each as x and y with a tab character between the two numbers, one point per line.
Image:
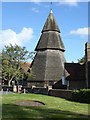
76	71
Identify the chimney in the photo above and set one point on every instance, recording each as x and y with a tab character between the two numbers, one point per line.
87	57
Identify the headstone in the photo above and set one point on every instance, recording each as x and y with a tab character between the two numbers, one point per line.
14	88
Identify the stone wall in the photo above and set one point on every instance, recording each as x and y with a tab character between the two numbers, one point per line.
7	88
67	94
36	90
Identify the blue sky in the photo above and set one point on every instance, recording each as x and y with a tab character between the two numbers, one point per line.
22	23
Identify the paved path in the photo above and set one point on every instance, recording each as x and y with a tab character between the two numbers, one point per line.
5	92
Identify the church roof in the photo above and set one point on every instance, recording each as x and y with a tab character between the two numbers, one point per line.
50	38
25	66
76	71
51	24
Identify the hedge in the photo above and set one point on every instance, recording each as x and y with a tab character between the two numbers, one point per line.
82	95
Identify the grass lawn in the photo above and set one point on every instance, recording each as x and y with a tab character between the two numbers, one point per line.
54	108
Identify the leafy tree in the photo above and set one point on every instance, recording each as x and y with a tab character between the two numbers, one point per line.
82	60
12	59
0	70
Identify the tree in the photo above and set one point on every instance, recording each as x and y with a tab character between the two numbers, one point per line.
12	59
82	60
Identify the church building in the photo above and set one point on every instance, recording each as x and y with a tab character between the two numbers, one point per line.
48	64
49	67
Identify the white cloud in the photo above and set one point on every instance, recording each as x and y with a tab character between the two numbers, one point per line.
9	36
81	31
35	10
64	2
45	0
70	2
35	0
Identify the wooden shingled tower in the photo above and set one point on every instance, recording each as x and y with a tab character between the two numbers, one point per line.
48	64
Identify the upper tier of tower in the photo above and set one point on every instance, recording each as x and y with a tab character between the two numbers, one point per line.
51	24
50	37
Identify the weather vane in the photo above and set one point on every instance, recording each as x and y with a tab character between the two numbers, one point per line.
51	5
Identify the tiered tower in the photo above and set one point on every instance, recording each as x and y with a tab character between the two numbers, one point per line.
48	64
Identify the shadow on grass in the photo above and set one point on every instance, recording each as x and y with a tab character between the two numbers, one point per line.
13	112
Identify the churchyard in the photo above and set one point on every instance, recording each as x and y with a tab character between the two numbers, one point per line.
53	108
45	72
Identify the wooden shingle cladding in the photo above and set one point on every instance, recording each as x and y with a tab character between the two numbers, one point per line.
48	64
50	40
50	37
50	24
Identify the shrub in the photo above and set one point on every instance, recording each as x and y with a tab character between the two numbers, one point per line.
82	95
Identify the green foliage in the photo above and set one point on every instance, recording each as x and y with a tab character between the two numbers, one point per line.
82	60
0	65
12	58
82	95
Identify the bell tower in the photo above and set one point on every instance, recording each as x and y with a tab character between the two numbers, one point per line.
48	64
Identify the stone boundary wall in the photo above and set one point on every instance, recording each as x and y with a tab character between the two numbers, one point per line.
7	88
36	90
67	94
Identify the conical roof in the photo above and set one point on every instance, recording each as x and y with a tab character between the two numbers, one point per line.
50	38
51	24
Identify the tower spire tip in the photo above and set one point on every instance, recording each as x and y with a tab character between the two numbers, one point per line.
51	11
51	7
